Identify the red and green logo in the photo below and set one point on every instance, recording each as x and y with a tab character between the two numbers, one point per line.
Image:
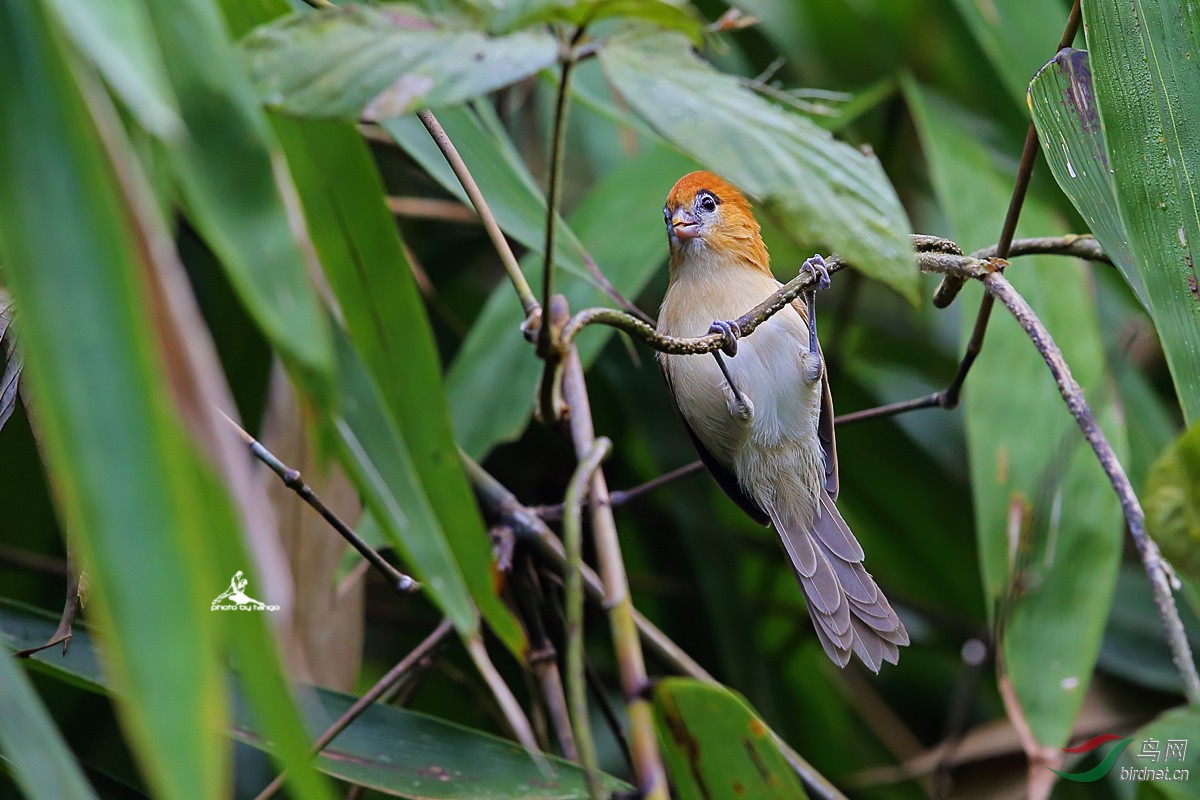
1100	770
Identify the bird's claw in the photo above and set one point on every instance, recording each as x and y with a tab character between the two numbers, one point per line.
740	406
729	332
816	266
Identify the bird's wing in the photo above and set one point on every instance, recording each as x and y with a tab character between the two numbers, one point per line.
826	435
723	475
825	420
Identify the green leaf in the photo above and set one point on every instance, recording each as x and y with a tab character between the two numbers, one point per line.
372	279
493	378
511	192
375	457
124	475
118	38
1180	726
43	764
398	752
1015	35
715	745
236	190
1134	645
825	192
1172	503
668	14
1148	92
1063	103
104	310
373	63
1051	595
369	271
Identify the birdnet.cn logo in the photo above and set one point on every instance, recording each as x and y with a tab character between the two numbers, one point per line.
1159	761
235	598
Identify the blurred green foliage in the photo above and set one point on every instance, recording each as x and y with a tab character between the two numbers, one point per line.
133	144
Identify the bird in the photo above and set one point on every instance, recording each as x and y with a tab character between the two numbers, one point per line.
761	416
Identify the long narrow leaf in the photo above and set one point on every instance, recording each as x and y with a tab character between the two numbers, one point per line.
368	269
123	474
1148	91
394	751
236	189
44	765
1048	525
827	193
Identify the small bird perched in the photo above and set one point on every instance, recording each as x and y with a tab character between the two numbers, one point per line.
762	420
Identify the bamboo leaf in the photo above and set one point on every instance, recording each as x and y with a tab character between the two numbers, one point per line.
42	763
398	752
236	190
118	38
1172	502
103	410
374	62
1064	107
1015	35
1048	524
716	746
825	192
1148	92
369	271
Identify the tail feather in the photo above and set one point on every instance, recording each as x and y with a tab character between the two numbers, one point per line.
849	612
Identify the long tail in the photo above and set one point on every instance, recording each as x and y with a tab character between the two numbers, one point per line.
848	610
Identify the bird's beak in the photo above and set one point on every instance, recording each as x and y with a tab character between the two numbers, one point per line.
684	224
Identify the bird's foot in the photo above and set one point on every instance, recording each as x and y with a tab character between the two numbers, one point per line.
740	407
816	266
729	332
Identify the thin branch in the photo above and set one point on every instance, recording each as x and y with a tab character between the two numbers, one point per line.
533	531
292	479
529	302
543	659
431	208
546	345
643	742
620	498
999	287
950	287
66	622
381	687
576	679
607	287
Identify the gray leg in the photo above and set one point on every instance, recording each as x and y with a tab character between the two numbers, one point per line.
815	265
739	404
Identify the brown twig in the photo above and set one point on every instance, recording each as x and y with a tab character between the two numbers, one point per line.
533	531
431	208
585	471
390	678
647	762
66	622
401	583
607	287
950	287
529	302
620	498
999	287
546	341
543	660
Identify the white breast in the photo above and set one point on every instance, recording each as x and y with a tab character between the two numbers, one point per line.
769	367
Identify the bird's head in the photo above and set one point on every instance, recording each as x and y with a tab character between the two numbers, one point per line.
709	220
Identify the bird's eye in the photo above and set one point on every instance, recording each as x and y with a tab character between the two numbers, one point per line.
708	202
667	216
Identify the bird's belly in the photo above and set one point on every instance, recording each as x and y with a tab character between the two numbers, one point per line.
769	368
